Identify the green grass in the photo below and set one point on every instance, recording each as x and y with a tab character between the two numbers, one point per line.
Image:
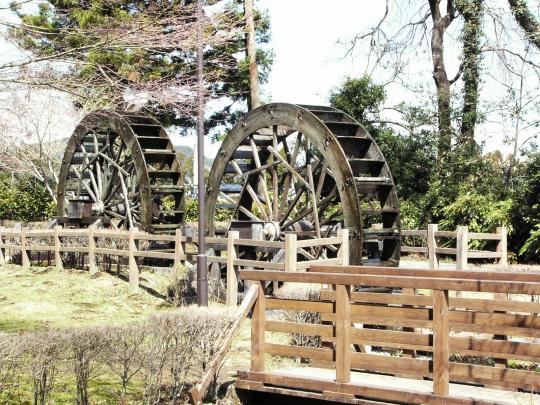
51	298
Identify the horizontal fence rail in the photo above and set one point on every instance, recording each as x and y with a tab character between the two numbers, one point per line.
91	242
432	249
422	328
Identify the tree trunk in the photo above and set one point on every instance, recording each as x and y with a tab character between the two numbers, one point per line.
440	24
526	21
472	32
251	51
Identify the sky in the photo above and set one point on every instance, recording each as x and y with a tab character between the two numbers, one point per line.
308	42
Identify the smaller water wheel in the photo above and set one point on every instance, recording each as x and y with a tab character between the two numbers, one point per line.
122	169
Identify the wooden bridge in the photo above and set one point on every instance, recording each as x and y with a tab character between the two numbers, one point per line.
435	336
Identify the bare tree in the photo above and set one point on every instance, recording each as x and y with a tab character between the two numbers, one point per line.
32	128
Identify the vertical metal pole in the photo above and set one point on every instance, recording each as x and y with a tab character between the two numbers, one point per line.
202	268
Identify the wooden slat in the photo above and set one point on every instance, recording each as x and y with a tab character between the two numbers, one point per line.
494	329
414	232
74	249
441	343
414	249
430	273
72	233
10	247
446	234
101	234
495	319
446	251
112	252
258	264
299	305
483	254
32	233
154	237
319	242
484	236
258	341
308	263
391	364
516	378
40	248
392	339
395	281
299	351
326	331
154	255
259	243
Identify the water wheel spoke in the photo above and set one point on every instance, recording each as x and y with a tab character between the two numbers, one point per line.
262	176
239	207
313	201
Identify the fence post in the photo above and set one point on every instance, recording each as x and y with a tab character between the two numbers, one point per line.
133	269
343	253
432	246
257	330
502	245
291	249
462	247
57	256
92	266
178	249
24	252
342	309
2	254
232	280
441	343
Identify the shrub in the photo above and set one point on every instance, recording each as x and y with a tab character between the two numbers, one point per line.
302	293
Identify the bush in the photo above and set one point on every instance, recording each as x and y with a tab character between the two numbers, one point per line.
302	293
24	199
156	359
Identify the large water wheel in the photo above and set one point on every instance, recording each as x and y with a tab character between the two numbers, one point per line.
121	168
308	170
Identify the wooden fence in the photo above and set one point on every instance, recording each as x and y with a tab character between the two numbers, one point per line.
89	241
432	249
424	318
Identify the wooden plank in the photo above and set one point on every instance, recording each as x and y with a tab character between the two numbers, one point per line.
299	305
25	258
257	264
502	246
291	252
132	264
432	246
431	273
441	343
414	232
73	233
495	319
343	333
319	242
154	237
484	236
299	352
494	329
113	234
260	243
414	249
392	339
445	234
92	265
495	348
151	254
446	251
326	331
9	246
516	378
40	248
258	344
383	298
34	233
344	252
462	247
107	251
57	245
484	254
232	280
513	287
308	263
3	258
391	364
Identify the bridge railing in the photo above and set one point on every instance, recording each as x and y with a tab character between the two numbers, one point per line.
421	330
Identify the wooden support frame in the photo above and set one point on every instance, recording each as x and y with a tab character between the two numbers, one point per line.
432	246
441	343
57	246
291	251
258	330
232	279
92	265
24	251
3	258
133	268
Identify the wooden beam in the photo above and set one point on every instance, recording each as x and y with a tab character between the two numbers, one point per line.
257	330
441	343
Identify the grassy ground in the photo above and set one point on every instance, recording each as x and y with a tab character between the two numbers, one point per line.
48	297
